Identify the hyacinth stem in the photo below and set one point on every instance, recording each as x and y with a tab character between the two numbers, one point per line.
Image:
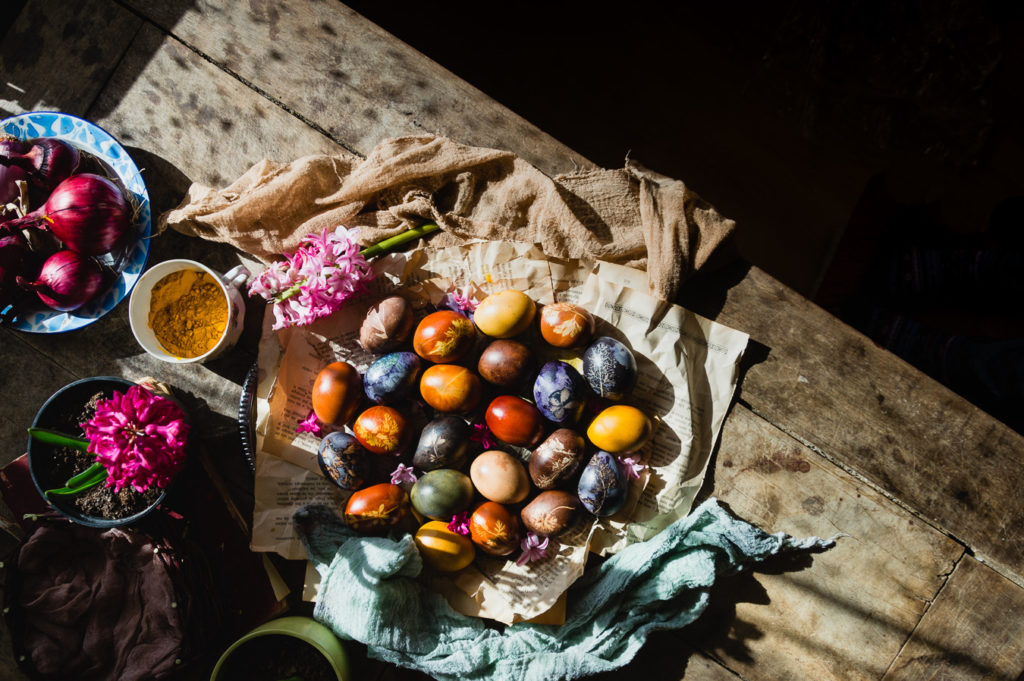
379	248
87	479
53	437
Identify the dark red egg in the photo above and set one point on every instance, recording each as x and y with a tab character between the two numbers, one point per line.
337	391
515	421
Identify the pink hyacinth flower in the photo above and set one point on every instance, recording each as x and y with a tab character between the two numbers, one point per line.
402	474
534	548
483	435
310	424
460	523
631	467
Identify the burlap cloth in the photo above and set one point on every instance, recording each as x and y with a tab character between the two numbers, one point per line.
630	216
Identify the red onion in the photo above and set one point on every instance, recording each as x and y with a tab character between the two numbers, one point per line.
87	212
67	281
15	261
48	161
9	176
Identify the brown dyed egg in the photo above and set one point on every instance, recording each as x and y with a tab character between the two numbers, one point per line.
505	314
443	549
387	325
381	430
557	459
505	363
515	421
551	512
450	388
500	477
620	429
375	509
444	336
565	325
337	391
495	529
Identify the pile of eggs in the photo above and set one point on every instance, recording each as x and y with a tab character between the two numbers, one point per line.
561	431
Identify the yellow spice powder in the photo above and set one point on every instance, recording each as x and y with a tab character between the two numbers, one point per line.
188	313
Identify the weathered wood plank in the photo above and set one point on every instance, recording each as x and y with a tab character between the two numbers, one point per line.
57	55
973	630
846	612
830	386
351	78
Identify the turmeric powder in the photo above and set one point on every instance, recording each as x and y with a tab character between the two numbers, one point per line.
188	313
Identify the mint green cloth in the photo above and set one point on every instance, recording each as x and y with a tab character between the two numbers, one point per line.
369	593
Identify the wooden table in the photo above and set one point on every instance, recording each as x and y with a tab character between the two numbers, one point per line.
828	434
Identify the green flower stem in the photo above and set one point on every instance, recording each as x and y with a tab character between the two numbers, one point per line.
53	437
87	479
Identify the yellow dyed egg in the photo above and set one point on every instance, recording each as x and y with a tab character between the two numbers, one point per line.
443	549
505	314
620	429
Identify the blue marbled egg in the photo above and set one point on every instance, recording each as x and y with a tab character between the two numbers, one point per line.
392	377
342	460
610	368
560	393
603	485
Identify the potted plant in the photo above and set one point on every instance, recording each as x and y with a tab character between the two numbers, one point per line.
102	450
291	648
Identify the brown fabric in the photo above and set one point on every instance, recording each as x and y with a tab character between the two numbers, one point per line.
629	216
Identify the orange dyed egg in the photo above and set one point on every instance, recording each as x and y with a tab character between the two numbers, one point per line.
450	388
381	430
495	529
565	325
443	549
505	314
337	391
515	421
620	429
375	509
444	336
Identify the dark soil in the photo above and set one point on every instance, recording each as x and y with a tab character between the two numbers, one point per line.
100	501
276	657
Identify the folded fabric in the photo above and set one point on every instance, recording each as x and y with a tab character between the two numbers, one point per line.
369	593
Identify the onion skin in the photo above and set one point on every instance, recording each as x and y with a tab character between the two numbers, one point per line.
15	261
9	176
67	281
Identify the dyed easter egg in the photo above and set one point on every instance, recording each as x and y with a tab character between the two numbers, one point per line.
375	509
505	363
442	549
515	421
392	377
560	393
443	444
551	512
500	477
610	368
337	391
450	388
505	314
442	493
444	336
620	429
494	528
557	459
603	486
381	430
387	325
565	325
341	459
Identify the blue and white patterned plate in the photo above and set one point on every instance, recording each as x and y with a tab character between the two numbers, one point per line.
128	261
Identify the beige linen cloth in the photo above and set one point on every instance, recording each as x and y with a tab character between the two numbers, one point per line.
629	216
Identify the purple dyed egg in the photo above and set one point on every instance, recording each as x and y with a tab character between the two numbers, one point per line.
560	393
603	485
392	377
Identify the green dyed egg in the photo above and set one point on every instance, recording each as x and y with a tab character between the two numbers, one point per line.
442	493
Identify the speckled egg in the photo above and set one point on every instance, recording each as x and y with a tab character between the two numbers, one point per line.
342	460
375	509
444	336
557	459
603	485
551	512
387	325
620	429
560	393
515	421
337	391
505	314
495	529
610	368
441	493
565	325
443	444
450	388
505	363
392	377
442	549
381	430
500	477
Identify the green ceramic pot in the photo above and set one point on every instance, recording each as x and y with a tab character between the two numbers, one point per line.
304	628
